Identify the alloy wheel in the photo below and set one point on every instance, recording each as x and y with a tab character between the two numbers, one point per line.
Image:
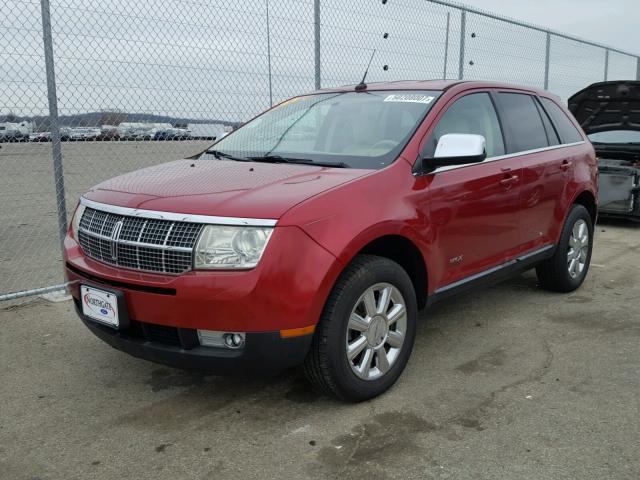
578	250
376	331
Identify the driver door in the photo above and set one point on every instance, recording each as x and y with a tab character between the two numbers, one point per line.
473	208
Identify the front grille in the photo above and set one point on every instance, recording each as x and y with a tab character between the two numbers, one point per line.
138	243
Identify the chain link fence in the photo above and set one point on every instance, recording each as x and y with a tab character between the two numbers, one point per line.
93	89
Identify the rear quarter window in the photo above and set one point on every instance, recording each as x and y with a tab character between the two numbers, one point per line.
565	128
552	135
525	130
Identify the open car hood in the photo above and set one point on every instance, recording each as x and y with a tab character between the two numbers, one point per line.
607	106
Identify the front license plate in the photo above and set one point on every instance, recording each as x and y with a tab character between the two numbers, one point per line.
100	305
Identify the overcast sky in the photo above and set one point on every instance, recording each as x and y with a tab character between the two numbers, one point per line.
612	22
228	59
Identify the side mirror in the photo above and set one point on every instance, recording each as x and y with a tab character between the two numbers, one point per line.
456	149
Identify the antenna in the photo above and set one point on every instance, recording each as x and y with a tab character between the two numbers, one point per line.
362	85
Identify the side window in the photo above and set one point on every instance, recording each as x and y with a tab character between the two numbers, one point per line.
525	128
552	135
470	114
566	129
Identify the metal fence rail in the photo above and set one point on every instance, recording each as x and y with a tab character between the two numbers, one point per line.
92	89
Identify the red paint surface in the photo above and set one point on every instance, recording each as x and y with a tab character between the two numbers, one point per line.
326	216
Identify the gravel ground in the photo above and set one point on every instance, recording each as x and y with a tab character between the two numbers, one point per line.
509	382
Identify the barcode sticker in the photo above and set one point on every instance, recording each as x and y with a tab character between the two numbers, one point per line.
409	98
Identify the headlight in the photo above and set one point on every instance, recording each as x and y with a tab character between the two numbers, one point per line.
75	223
226	247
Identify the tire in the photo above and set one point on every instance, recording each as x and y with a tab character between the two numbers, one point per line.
388	334
561	273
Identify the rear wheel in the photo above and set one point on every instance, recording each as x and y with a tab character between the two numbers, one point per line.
366	333
567	269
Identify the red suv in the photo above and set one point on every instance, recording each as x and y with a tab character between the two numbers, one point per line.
314	233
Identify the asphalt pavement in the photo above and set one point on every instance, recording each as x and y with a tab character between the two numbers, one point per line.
509	382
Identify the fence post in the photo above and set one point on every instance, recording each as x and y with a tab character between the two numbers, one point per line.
463	26
316	39
269	56
56	148
606	64
638	68
547	59
446	47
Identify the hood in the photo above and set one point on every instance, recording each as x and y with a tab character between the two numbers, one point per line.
607	106
221	188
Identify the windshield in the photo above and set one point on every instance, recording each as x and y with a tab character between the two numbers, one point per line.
349	129
616	137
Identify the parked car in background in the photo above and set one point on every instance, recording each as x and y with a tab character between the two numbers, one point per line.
108	134
182	134
313	233
41	137
127	134
84	133
65	134
609	112
13	136
172	134
163	135
136	134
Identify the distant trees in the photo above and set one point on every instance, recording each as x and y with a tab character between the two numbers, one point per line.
112	117
9	117
42	124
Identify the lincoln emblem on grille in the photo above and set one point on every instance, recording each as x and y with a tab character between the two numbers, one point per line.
114	239
139	243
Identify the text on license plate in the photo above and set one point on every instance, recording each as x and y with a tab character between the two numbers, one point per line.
99	305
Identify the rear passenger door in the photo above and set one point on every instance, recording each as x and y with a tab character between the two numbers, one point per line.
473	208
530	135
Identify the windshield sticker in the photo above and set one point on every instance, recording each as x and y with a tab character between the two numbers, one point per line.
409	98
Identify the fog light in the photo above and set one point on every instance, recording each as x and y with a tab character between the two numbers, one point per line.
210	338
234	340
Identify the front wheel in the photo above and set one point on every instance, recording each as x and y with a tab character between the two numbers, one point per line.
366	333
567	269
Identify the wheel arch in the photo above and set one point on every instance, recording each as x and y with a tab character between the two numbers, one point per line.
406	253
588	200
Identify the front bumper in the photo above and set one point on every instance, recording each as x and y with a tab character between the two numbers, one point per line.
264	353
287	290
275	304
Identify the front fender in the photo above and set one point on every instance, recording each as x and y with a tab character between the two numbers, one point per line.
349	248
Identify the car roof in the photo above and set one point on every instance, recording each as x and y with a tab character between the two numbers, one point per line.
436	85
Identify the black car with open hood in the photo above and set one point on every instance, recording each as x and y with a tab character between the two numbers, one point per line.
609	113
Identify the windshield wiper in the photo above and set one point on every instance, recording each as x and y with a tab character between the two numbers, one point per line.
304	161
227	156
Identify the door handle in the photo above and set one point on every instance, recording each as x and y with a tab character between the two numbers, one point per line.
508	181
565	165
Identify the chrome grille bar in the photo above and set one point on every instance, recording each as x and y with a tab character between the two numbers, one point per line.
138	244
137	213
141	244
151	245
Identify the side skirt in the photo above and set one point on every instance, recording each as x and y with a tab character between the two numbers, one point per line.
493	275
